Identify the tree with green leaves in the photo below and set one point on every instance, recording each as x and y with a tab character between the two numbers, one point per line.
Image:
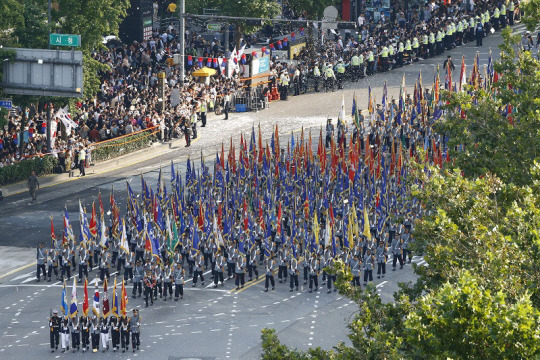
498	133
241	8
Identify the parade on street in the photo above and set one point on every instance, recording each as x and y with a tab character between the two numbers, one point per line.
217	186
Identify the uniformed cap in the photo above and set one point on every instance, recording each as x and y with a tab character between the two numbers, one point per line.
55	312
135	310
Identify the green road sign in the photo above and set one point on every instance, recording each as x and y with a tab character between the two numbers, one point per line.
214	27
65	40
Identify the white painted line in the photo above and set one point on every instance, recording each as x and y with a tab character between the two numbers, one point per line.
381	284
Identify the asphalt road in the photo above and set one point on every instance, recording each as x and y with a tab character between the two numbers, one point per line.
208	323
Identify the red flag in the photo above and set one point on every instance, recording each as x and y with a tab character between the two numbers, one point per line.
245	215
106	309
53	236
147	244
101	210
85	305
93	221
200	219
123	300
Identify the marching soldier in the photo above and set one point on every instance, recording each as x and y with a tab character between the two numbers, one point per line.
85	332
83	263
128	266
355	269
135	326
283	261
314	268
115	333
381	260
178	276
406	237
52	262
270	267
95	334
149	283
231	261
305	264
167	282
64	334
122	257
137	278
396	249
293	272
104	266
219	268
252	266
54	327
75	334
104	334
41	260
330	277
240	271
157	275
199	268
369	261
139	248
66	266
124	333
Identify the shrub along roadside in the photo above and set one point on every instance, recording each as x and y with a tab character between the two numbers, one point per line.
21	170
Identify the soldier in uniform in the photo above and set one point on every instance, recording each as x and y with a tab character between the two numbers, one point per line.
270	267
167	282
305	264
283	262
85	332
75	334
178	276
104	334
240	271
252	266
115	333
121	260
199	268
95	334
329	132
330	277
406	237
219	268
137	278
66	266
83	263
104	266
396	249
124	333
139	248
293	272
369	261
149	283
64	334
135	326
41	259
54	327
314	267
381	260
355	269
231	261
52	262
128	266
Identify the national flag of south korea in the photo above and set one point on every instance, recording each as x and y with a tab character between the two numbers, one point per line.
96	305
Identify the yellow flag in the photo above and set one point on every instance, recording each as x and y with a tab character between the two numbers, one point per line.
316	229
355	222
350	232
367	233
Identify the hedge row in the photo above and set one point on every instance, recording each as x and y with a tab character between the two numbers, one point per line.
21	170
122	146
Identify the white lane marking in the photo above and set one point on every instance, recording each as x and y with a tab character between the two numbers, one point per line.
382	284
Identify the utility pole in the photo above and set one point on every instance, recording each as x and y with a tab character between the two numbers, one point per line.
182	35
